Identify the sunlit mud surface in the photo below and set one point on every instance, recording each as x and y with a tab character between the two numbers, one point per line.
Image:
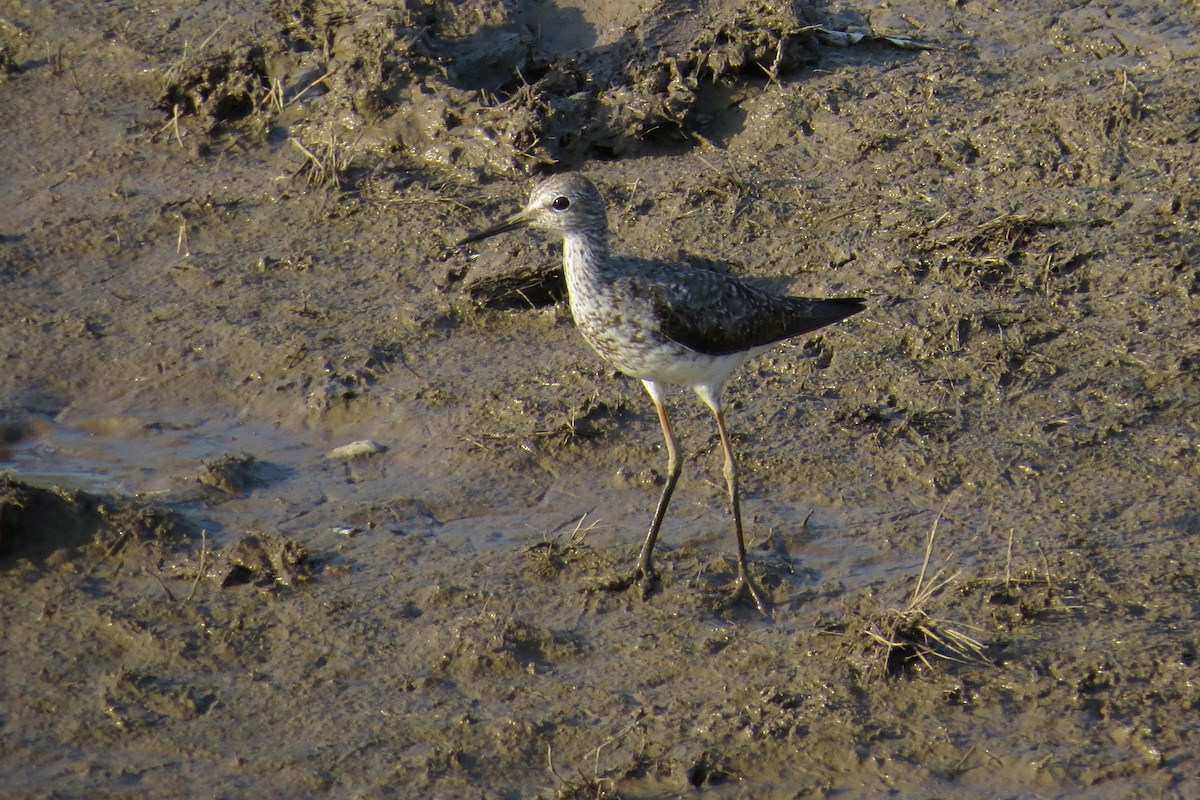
300	501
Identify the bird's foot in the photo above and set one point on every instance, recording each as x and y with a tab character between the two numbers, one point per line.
746	589
645	579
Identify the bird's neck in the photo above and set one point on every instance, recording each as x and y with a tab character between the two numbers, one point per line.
584	255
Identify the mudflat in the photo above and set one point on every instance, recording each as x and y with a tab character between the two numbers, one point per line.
302	501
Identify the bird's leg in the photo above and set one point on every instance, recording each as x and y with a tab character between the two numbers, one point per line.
674	467
644	573
745	583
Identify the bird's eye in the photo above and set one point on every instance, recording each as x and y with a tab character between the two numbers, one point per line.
561	203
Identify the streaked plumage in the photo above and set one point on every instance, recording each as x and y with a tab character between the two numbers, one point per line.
665	324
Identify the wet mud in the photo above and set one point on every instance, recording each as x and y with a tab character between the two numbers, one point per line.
299	500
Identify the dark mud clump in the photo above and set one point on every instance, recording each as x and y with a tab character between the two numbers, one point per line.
223	88
489	88
53	527
234	473
263	559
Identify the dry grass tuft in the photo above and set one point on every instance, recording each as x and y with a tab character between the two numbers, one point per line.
910	635
562	549
595	784
326	162
585	787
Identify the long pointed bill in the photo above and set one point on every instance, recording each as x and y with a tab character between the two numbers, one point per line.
518	220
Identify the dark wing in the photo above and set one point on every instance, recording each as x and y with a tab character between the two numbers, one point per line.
717	315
